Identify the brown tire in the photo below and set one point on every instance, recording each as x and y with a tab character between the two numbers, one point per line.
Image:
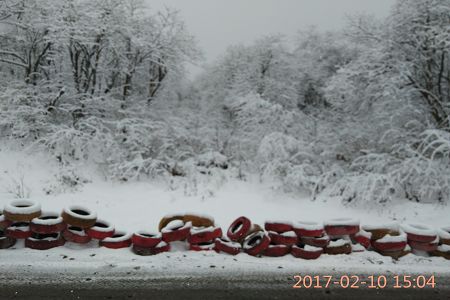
198	221
167	219
78	216
22	211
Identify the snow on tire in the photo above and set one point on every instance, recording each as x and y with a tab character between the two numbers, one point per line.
167	219
79	216
176	230
306	251
205	246
396	254
239	229
117	241
101	230
146	239
427	247
287	238
22	211
341	226
48	223
4	223
391	243
76	235
442	251
278	226
308	229
227	246
204	234
6	241
274	250
256	243
378	231
320	242
146	251
362	237
444	235
44	241
199	220
339	246
18	230
420	233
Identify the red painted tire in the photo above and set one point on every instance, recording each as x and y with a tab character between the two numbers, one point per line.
256	243
44	242
204	235
390	243
4	223
320	242
207	246
277	226
420	233
48	223
176	230
6	242
276	250
427	247
76	235
239	229
341	226
22	211
363	238
79	216
227	246
146	239
146	251
287	238
306	252
308	229
101	230
117	241
18	230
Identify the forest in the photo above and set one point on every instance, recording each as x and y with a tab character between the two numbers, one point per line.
361	114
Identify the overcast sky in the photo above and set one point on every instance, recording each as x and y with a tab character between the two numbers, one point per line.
220	23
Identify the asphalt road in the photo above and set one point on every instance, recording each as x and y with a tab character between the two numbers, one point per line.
254	287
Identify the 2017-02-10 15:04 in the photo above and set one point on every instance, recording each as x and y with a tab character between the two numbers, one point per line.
371	281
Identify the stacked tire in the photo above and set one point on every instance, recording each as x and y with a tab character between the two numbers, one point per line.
421	238
147	243
443	250
78	219
388	240
340	231
311	240
46	232
15	221
243	235
282	238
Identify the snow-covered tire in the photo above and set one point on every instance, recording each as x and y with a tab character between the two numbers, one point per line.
276	250
320	242
239	229
44	241
76	235
5	241
4	223
79	216
256	243
145	239
206	246
442	251
48	223
22	210
278	226
198	220
362	237
420	233
391	243
287	238
444	235
167	219
306	252
18	230
340	246
117	241
101	230
395	254
308	229
176	230
227	246
204	235
341	226
427	247
146	251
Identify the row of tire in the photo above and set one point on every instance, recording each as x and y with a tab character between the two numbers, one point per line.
24	219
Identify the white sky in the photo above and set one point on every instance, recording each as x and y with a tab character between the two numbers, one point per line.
220	23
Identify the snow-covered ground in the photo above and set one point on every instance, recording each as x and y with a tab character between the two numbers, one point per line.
140	205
